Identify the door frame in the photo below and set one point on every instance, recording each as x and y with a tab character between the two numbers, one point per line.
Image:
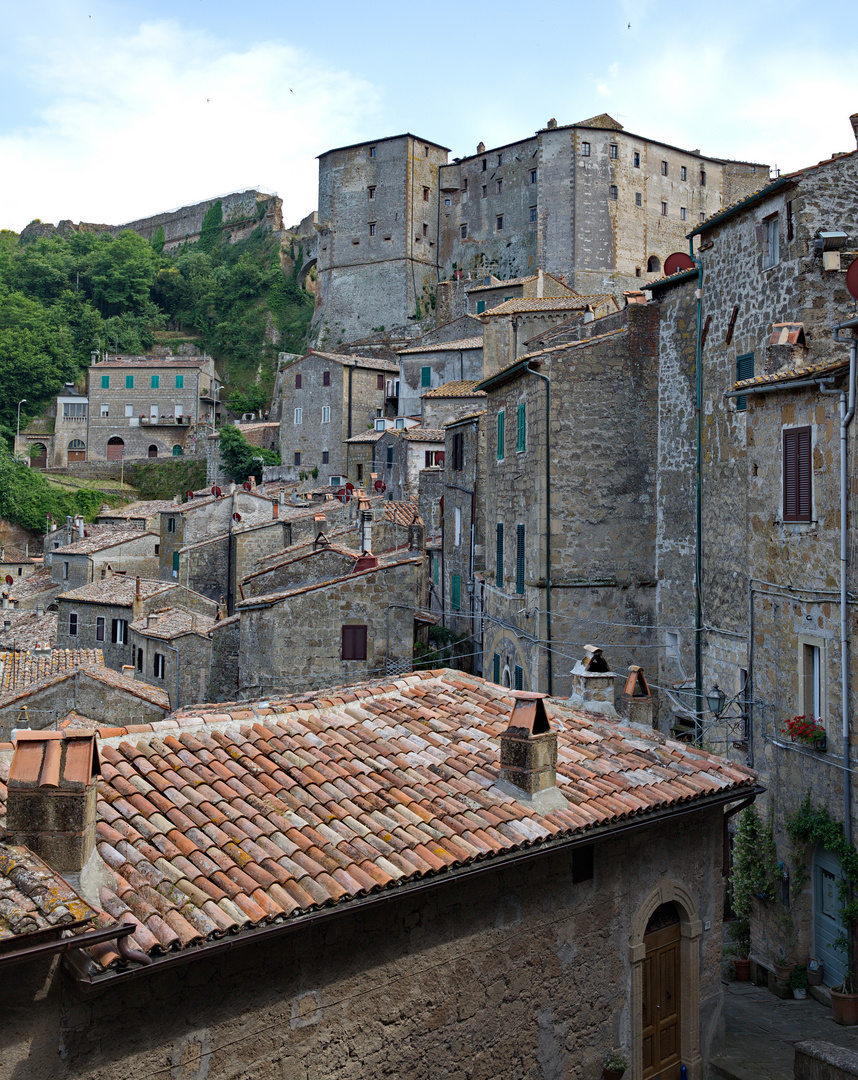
690	930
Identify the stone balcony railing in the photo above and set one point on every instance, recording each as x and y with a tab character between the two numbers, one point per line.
165	421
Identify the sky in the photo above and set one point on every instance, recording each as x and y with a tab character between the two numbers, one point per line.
111	111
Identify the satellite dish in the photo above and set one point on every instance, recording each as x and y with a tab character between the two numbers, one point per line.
247	485
380	486
9	579
216	491
350	487
676	262
236	517
344	495
189	495
852	279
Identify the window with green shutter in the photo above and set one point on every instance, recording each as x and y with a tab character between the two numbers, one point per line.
436	569
744	370
481	307
156	382
518	679
496	668
456	592
180	382
499	557
426	376
105	382
519	559
501	434
129	382
175	564
521	429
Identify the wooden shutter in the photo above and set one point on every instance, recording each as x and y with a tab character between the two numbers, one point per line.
496	668
354	643
797	474
456	592
426	376
499	558
114	630
744	370
501	434
519	559
521	432
518	679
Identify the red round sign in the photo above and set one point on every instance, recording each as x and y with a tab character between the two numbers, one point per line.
344	495
676	262
380	486
9	580
852	279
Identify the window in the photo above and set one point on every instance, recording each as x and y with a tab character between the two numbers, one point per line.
129	410
664	209
500	159
180	382
744	370
458	451
500	434
299	416
683	214
380	425
175	564
389	459
790	229
465	184
533	216
379	382
372	150
426	376
425	151
521	429
129	382
582	864
585	152
358	471
485	191
399	423
810	679
484	164
518	679
701	217
105	382
533	176
637	159
612	151
447	202
638	199
74	408
496	668
354	643
653	266
499	186
155	382
500	222
65	571
180	410
771	253
297	457
613	193
171	525
372	225
463	229
499	556
456	592
105	410
519	559
425	229
73	623
139	659
426	194
457	528
326	378
100	624
683	172
436	567
158	665
664	168
371	192
433	458
797	474
119	631
326	414
703	178
326	458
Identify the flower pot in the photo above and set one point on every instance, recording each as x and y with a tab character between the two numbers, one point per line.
845	1008
783	973
799	993
612	1074
815	970
742	969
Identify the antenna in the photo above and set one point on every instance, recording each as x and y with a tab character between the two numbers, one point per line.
676	262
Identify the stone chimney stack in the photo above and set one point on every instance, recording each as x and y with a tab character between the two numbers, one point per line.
137	603
593	684
637	697
528	753
51	796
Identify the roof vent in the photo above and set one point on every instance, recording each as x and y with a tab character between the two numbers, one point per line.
528	754
593	684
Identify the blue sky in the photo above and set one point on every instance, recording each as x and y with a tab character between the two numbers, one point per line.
111	111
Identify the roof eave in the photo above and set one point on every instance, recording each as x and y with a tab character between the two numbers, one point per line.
744	204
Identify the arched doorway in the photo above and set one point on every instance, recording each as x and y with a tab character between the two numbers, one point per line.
653	266
76	451
827	924
661	1006
38	456
177	451
153	450
115	448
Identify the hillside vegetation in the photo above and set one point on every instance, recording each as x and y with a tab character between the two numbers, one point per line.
63	297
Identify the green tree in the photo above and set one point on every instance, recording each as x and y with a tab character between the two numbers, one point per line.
241	460
122	274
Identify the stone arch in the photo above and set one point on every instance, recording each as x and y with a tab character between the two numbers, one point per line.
115	448
152	451
38	455
304	279
690	927
76	451
653	265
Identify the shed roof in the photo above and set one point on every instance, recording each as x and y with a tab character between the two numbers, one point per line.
118	589
524	305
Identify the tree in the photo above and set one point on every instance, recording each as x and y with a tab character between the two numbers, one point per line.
122	274
240	459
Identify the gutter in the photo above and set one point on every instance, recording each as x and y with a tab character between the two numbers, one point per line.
784	384
118	933
89	984
698	503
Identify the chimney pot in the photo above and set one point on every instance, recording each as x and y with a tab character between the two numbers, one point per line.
275	510
528	753
593	684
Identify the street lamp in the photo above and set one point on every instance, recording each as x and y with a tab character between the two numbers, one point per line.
23	401
715	699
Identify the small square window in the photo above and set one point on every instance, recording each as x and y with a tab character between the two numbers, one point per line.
664	209
683	214
499	185
484	164
485	191
613	192
683	172
105	382
500	222
447	202
701	217
533	214
105	411
372	228
638	199
533	176
371	192
613	151
585	149
637	159
664	168
463	229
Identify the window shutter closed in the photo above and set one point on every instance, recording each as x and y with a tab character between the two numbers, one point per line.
426	376
519	559
501	434
456	592
114	630
354	643
496	668
744	370
521	433
499	558
797	474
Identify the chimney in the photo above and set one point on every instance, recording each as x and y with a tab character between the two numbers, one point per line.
528	754
540	284
79	526
51	797
637	697
853	120
128	670
137	604
593	684
275	510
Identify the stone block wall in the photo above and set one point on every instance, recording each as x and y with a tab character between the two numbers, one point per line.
193	661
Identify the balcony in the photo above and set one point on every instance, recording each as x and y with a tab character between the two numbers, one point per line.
165	421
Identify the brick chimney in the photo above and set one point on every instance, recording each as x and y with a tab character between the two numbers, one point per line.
51	796
528	754
137	603
637	697
593	684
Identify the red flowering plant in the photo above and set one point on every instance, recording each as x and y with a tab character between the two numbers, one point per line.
804	729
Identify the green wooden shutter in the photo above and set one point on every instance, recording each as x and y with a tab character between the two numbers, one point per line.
456	592
501	434
180	382
481	307
129	382
496	668
499	557
518	679
519	559
426	376
744	370
521	429
105	382
156	382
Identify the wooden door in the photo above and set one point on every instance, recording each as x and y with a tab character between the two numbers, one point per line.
661	1027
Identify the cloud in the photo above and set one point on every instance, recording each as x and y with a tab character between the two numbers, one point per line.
128	126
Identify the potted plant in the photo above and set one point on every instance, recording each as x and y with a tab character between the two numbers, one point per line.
614	1065
798	982
739	931
783	966
806	730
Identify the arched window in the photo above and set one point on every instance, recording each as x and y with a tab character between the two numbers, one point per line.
177	451
153	450
653	266
77	450
115	448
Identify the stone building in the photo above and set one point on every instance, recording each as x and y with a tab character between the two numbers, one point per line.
66	443
171	649
326	398
363	881
400	456
360	457
491	291
149	406
130	551
15	563
425	367
142	514
449	401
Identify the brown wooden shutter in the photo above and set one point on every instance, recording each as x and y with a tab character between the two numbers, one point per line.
797	474
354	643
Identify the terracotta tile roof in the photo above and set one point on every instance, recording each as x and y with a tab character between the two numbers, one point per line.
786	375
171	622
422	434
117	590
565	346
103	541
546	303
445	346
463	419
308	552
30	586
141	509
228	817
459	388
365	437
104	675
402	512
153	361
34	899
28	629
22	669
788	333
268	599
64	760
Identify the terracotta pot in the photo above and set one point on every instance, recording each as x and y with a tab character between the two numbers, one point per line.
783	973
612	1074
742	969
845	1008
